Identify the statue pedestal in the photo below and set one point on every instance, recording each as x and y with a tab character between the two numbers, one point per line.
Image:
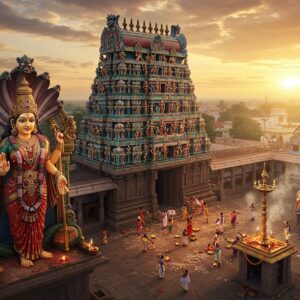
49	279
266	270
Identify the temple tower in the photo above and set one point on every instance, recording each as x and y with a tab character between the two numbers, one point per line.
143	126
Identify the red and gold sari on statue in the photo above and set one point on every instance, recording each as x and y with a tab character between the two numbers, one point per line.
25	195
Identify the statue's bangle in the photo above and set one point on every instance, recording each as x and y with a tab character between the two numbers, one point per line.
57	174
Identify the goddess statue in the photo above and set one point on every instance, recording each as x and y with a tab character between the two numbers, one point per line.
24	159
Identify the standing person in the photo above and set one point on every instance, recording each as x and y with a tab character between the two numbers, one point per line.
297	207
218	226
233	218
222	222
252	212
164	219
142	216
287	231
189	228
185	238
184	212
205	209
215	240
170	223
145	241
218	254
200	205
161	267
185	280
139	226
104	236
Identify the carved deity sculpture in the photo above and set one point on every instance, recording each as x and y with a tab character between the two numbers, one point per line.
25	158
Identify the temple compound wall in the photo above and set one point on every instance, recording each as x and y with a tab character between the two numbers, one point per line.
143	128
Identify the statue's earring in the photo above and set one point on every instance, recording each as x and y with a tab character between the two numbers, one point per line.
14	131
34	130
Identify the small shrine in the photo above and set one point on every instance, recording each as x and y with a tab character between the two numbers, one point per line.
265	261
142	116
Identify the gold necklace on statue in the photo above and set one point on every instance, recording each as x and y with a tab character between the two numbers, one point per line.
29	148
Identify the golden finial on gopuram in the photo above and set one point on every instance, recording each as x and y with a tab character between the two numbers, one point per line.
161	29
131	25
150	28
144	26
138	26
155	28
124	24
167	30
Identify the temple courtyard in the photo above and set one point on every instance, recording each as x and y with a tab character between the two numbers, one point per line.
132	274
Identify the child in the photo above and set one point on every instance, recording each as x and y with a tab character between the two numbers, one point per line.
170	224
286	230
189	227
222	222
252	212
233	218
104	236
142	216
185	280
218	226
184	212
139	226
185	238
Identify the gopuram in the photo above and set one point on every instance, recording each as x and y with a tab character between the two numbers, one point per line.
143	127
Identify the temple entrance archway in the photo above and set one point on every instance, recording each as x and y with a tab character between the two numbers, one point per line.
169	188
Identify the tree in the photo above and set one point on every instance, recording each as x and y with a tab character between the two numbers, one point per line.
221	105
246	128
236	110
210	126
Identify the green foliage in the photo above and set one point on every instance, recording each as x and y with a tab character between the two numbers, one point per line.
210	126
246	128
221	105
236	110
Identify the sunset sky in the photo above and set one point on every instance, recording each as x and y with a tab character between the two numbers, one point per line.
237	48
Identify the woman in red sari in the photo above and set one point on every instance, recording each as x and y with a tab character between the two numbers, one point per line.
24	159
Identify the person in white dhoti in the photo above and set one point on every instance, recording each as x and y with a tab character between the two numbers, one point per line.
252	212
165	219
185	280
161	267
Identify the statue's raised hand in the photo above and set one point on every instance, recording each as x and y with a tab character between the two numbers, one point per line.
59	137
4	164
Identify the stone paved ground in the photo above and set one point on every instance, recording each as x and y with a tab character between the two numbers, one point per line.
131	274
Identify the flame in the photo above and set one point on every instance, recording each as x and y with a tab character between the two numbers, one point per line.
91	242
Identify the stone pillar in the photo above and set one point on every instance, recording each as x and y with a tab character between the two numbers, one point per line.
254	172
221	180
244	176
272	170
232	180
152	192
79	212
101	209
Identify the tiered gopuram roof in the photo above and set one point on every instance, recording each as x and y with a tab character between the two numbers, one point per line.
142	108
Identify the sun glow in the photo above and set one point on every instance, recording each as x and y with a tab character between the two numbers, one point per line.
290	83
